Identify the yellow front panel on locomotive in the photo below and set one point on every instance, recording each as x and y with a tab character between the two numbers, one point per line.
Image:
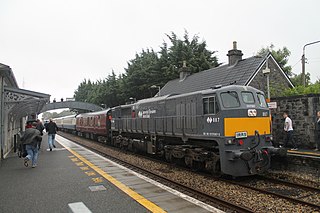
249	125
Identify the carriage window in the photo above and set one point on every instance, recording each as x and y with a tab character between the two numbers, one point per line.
210	106
247	97
262	100
230	99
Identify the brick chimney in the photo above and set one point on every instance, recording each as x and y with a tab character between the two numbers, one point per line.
184	71
234	54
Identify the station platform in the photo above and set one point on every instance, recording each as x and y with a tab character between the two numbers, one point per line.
72	178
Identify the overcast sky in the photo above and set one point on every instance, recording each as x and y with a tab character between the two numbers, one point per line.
53	45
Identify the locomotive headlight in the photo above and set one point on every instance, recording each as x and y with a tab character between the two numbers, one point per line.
252	112
230	141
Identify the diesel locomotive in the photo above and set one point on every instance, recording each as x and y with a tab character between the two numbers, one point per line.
224	130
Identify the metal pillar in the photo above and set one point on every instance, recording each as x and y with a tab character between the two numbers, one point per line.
266	72
1	116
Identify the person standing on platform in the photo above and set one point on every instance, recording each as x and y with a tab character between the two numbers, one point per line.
318	131
31	138
52	129
289	130
39	127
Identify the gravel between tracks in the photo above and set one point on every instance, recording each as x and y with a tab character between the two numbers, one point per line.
304	178
239	195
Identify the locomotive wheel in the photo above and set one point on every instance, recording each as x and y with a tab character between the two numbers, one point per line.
168	156
188	161
134	149
197	166
217	169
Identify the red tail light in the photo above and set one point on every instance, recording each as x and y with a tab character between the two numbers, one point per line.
241	142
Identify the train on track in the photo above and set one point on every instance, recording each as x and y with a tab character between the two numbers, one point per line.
224	130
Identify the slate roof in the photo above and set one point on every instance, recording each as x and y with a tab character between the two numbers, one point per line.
239	73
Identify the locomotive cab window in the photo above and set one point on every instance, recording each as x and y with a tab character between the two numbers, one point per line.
262	100
247	97
210	105
230	99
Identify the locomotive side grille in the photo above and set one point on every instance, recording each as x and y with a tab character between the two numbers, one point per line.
249	125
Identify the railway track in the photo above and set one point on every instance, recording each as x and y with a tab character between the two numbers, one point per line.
204	197
254	185
293	192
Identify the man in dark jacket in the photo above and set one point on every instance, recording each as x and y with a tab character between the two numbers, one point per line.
31	138
51	129
39	127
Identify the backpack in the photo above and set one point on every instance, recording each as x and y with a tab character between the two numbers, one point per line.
22	152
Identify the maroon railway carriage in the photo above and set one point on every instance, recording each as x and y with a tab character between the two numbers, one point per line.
94	125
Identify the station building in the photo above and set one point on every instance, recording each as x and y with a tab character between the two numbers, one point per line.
16	105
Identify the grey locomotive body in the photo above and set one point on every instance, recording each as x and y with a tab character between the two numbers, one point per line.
225	129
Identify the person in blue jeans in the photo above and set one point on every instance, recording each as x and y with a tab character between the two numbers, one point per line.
31	139
52	129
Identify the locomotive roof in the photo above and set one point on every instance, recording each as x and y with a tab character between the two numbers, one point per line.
207	91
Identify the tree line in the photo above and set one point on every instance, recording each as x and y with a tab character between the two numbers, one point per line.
150	68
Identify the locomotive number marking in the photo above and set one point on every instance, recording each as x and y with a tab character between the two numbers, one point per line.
211	133
213	120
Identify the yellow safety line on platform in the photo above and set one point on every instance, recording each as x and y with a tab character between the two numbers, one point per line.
137	197
304	153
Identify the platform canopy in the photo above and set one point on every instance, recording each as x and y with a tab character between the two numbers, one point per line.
20	103
17	103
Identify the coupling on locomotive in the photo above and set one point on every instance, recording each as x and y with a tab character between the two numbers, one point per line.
224	130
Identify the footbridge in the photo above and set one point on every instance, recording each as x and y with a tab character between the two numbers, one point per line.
71	105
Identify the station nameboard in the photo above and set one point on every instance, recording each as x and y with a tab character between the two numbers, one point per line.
272	105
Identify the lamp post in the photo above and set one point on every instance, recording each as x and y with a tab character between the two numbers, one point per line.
303	61
133	100
266	72
154	87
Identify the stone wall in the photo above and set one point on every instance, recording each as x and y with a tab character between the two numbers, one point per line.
302	111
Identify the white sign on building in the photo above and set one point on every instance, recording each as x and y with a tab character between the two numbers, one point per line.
272	105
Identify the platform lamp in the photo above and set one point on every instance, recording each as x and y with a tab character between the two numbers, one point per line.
266	72
133	100
154	87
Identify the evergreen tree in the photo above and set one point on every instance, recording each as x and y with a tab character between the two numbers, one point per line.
148	68
192	51
281	56
83	91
